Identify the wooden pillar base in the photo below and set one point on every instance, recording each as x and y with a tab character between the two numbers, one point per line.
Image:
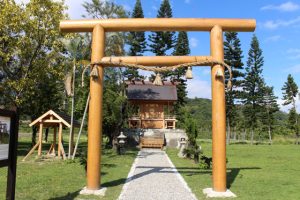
210	193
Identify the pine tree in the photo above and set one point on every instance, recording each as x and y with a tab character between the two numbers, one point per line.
253	86
270	107
290	91
136	41
162	41
233	57
181	48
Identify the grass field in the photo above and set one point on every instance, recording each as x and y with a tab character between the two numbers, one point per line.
258	172
62	180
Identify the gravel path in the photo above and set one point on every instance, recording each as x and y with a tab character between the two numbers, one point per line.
154	177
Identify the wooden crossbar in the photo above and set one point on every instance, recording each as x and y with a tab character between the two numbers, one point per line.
158	24
156	60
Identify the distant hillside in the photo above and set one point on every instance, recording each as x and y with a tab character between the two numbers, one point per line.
201	111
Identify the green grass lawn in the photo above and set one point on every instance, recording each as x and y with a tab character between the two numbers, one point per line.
258	172
62	180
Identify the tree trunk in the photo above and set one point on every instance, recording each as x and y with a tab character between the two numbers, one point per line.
297	139
34	131
252	136
234	134
228	132
244	135
270	135
33	136
71	134
196	157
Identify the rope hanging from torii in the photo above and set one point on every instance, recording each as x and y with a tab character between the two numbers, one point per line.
158	70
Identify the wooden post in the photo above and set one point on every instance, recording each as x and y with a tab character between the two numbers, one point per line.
95	113
40	139
218	112
59	148
54	140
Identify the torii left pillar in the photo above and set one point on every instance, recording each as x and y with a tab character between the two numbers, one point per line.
95	117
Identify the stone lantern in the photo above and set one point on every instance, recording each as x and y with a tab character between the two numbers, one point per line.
182	147
121	143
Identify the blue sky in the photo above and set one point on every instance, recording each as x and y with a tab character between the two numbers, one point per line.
278	30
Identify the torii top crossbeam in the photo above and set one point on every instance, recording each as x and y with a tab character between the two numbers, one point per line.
216	27
158	24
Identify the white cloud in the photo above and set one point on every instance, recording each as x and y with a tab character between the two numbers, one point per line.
206	71
284	7
273	38
288	107
194	42
274	24
294	69
127	7
198	88
147	74
154	8
294	53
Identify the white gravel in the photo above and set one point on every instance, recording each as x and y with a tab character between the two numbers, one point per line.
154	177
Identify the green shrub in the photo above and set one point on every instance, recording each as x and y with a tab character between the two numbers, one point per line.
205	162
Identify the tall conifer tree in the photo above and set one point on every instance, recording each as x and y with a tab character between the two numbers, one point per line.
270	107
253	86
233	57
290	92
136	41
162	41
181	49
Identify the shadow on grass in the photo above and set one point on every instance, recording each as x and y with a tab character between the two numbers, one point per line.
69	196
188	171
231	176
114	182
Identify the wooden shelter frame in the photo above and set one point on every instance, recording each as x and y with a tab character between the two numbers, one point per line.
214	26
50	119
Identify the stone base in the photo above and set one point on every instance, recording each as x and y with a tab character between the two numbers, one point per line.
210	193
100	192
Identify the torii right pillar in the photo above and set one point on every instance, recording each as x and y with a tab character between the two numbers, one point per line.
218	118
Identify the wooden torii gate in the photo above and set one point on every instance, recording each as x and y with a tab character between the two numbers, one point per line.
214	26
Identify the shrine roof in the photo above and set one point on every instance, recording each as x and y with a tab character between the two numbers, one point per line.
146	90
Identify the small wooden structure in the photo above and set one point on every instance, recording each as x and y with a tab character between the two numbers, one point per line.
154	105
55	120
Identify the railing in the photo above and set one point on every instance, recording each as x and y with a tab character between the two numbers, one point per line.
166	117
170	116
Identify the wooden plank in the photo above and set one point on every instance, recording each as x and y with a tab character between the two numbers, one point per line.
31	151
59	139
158	24
52	121
62	151
40	118
54	140
50	149
40	139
